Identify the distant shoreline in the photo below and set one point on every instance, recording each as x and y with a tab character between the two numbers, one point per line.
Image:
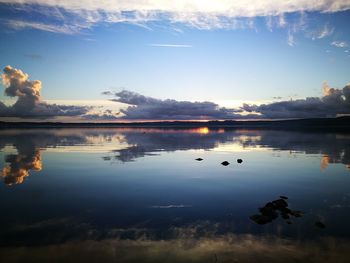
340	123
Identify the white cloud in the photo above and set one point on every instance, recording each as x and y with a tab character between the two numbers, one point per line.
205	14
240	8
63	29
290	39
29	101
340	44
323	32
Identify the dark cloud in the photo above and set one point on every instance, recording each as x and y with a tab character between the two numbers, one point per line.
333	103
107	115
108	93
29	102
148	108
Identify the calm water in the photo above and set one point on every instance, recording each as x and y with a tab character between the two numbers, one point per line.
139	195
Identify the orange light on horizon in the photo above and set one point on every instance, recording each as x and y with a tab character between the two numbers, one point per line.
202	130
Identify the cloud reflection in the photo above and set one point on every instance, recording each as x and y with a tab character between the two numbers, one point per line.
127	144
19	166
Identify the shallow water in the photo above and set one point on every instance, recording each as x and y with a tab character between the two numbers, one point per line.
139	195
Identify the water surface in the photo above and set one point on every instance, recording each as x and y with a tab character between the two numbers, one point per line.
139	195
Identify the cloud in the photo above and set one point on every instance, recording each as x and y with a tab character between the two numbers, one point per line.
107	115
63	29
247	8
322	32
29	101
148	108
170	45
209	14
339	44
290	39
334	102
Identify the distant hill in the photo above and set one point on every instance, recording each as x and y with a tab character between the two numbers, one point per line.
340	123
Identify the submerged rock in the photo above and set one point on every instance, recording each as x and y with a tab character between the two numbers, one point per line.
239	160
199	159
271	210
280	203
225	163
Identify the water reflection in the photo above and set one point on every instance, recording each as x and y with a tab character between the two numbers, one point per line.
140	195
19	165
127	145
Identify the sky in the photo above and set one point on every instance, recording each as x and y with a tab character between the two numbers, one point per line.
119	60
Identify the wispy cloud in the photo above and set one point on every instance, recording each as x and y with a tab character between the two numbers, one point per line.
171	45
339	44
239	8
290	39
208	14
63	29
322	32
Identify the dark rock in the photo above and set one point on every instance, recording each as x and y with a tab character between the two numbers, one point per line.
239	160
269	212
279	203
283	197
199	159
225	163
285	210
320	224
285	216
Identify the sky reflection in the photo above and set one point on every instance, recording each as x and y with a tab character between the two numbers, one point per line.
127	145
141	193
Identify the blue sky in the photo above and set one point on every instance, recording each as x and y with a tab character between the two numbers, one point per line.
193	52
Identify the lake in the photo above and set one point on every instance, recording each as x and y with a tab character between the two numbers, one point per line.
140	195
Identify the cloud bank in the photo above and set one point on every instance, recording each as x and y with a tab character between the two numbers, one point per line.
333	103
240	8
29	102
148	108
210	14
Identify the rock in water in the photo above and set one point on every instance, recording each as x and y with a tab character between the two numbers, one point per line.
225	163
199	159
272	209
239	160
